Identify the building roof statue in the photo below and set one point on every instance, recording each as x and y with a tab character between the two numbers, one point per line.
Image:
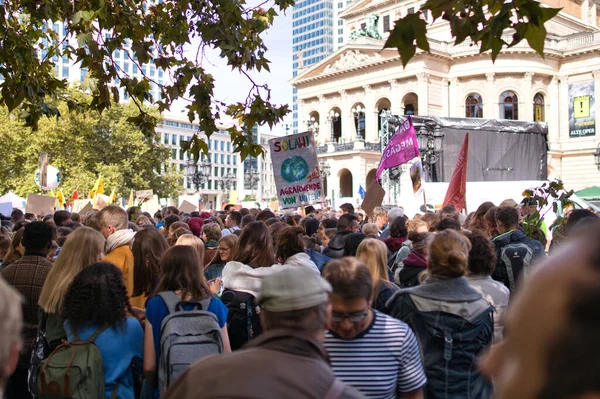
370	30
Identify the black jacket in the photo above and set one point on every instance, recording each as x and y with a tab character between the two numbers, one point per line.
335	250
517	261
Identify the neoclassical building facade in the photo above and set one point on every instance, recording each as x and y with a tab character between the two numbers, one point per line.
343	97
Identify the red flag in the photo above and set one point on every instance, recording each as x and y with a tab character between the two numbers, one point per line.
75	195
457	190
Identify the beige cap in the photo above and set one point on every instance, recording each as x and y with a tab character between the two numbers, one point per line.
509	202
293	288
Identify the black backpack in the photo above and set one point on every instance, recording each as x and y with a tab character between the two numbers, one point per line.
243	321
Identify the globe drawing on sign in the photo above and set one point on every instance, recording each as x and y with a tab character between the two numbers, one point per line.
294	169
53	178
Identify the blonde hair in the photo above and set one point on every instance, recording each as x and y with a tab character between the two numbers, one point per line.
379	211
194	242
415	224
231	242
12	323
448	254
82	248
370	228
373	253
113	216
12	254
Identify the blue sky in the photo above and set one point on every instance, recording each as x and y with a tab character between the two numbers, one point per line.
231	86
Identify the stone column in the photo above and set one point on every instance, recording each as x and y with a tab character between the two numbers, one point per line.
324	126
445	97
301	117
563	97
585	11
396	106
454	100
490	101
526	103
423	93
370	134
346	117
554	103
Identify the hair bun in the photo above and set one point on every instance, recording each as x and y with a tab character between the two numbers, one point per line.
457	260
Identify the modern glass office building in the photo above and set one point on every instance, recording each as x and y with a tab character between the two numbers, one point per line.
313	39
124	58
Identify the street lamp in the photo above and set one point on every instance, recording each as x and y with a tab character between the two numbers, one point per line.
252	177
226	183
430	148
359	114
199	173
324	171
333	117
394	175
597	157
312	124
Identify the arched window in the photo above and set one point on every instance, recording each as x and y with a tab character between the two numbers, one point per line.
538	108
474	106
509	105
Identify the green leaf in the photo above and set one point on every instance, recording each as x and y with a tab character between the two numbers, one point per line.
408	32
536	37
83	39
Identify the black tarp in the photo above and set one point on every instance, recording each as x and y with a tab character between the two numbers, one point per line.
499	150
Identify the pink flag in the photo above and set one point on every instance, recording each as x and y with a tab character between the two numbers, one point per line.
457	190
400	149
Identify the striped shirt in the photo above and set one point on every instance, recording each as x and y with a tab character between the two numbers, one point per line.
382	362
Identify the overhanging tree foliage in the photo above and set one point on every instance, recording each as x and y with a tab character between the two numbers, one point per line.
83	146
158	33
483	21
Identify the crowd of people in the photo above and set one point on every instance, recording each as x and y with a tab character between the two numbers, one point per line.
324	304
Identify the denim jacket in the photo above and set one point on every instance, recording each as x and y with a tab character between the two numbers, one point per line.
453	325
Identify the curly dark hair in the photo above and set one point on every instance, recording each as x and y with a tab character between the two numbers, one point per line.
97	296
448	223
482	256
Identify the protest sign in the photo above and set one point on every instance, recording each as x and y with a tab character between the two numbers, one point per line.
400	149
86	209
187	207
417	177
151	205
296	170
102	201
6	209
233	197
40	204
373	198
141	194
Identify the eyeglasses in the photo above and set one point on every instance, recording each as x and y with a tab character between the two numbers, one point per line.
355	317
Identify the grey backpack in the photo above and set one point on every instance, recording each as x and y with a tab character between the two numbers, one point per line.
516	258
186	336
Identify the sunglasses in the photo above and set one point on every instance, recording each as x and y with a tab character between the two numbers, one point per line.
355	317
